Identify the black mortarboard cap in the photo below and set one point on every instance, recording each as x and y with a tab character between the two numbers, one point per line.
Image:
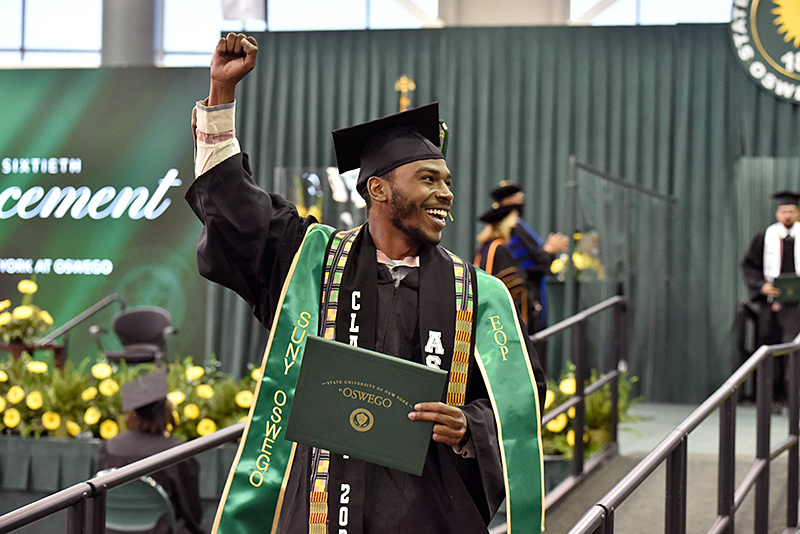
145	390
497	213
787	197
382	145
504	190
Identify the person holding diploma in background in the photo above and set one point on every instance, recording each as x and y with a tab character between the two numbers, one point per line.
773	253
386	286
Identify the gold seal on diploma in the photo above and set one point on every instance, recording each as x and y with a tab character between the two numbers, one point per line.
361	419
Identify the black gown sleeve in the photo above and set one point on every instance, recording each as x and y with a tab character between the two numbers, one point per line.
249	236
753	268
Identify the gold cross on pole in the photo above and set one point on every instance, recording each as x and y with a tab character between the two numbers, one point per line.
403	85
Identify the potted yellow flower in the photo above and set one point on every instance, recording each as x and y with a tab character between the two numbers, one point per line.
25	323
558	436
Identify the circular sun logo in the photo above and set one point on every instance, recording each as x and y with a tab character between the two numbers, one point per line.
766	41
788	20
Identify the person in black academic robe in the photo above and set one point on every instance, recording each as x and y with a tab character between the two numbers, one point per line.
771	253
254	263
524	248
147	421
248	243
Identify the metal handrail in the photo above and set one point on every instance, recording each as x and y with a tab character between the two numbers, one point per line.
580	469
673	449
88	312
85	501
75	498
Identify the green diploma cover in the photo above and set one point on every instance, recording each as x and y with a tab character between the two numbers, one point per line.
789	284
356	402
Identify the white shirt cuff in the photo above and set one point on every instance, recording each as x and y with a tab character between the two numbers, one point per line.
214	135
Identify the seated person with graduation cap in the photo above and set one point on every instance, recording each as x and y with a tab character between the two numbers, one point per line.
149	414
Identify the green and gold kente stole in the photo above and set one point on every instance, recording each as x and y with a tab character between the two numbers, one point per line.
335	262
336	259
253	495
502	357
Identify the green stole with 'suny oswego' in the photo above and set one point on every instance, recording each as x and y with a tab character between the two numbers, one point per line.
253	495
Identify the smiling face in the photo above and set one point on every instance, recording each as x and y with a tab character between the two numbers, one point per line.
411	207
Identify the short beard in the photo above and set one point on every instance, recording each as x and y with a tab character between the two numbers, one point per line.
401	209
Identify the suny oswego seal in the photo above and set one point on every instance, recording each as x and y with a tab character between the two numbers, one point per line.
766	39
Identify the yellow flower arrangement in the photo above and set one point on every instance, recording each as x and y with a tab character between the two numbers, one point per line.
51	420
15	394
558	435
205	391
206	427
244	399
568	386
27	322
11	418
34	400
92	415
73	428
194	372
36	367
84	400
558	424
101	370
176	397
191	411
108	429
108	387
27	287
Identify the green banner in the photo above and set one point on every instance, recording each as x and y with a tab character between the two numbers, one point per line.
94	164
252	498
501	355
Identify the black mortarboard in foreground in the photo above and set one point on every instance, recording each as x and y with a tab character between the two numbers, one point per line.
504	190
497	213
787	197
382	145
144	391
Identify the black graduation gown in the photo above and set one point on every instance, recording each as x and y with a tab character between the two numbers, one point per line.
499	262
180	481
247	244
753	269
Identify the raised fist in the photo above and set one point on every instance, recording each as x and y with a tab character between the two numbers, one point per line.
234	57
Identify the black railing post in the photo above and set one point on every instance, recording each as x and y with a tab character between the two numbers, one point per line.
793	462
97	514
581	360
608	523
76	516
675	506
726	484
618	341
763	413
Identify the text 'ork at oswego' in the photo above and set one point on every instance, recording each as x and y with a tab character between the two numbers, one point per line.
82	201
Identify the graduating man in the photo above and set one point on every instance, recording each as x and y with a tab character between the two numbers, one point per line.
386	286
774	252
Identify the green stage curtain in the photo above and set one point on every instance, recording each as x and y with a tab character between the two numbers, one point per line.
667	108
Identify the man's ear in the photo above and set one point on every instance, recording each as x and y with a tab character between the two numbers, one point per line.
376	187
